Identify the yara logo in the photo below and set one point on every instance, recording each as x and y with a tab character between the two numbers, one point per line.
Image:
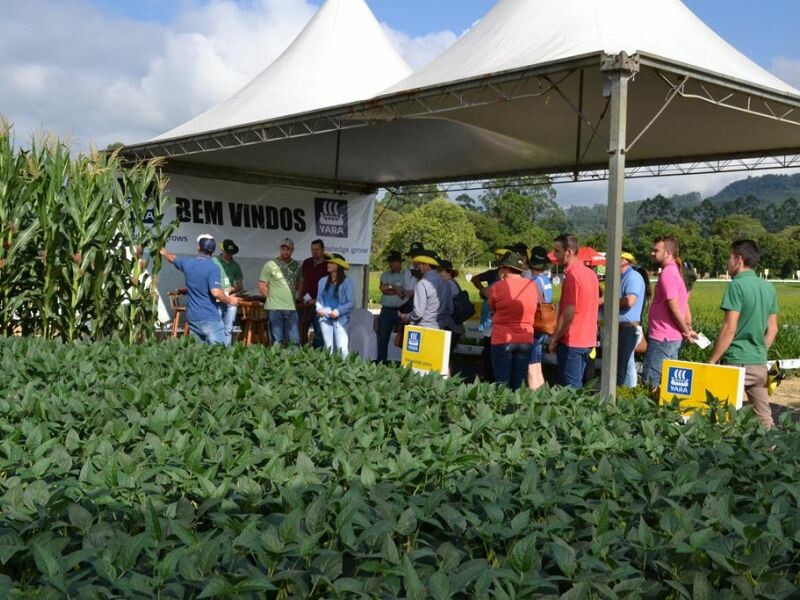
331	216
679	381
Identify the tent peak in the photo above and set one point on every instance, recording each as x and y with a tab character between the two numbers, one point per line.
342	55
520	33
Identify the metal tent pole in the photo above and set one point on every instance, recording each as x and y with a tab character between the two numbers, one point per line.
619	69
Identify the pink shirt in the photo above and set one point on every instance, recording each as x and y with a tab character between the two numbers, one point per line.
670	286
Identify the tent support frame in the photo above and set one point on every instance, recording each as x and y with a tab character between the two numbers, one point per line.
619	70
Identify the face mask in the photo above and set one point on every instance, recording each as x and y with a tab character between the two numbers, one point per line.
416	273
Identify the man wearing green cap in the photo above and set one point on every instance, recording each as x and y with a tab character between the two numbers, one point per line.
232	281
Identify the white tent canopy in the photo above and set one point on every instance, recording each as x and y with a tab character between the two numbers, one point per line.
342	55
537	87
519	33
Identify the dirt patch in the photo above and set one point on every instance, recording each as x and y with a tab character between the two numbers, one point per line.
788	393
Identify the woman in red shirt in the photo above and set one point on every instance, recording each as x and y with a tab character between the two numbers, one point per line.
513	301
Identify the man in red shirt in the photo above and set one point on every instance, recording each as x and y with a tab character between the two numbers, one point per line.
576	329
313	269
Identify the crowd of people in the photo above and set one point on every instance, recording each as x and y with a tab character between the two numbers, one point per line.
519	320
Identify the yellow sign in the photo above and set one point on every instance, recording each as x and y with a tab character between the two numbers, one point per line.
690	381
426	350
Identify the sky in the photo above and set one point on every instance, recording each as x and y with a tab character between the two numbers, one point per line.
103	71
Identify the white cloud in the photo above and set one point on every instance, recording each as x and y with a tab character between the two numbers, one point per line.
66	67
419	51
787	69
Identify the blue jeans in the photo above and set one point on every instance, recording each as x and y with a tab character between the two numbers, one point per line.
387	321
510	364
627	344
540	341
632	377
208	332
657	353
228	315
572	364
284	327
335	336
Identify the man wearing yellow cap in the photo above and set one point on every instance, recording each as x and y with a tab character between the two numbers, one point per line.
631	304
432	297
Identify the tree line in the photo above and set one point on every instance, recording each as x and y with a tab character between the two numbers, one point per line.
468	229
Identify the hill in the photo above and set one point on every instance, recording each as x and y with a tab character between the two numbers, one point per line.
769	189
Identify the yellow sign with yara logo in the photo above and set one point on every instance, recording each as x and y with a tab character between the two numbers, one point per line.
690	382
426	350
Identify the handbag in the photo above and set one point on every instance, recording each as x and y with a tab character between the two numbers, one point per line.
544	321
463	308
641	347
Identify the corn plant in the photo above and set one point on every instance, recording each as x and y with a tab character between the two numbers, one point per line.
74	231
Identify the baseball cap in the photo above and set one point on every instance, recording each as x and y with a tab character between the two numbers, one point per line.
416	248
206	243
287	242
229	247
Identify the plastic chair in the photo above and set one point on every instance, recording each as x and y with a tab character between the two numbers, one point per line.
254	323
177	303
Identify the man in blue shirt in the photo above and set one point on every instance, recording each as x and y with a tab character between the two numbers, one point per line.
631	303
205	291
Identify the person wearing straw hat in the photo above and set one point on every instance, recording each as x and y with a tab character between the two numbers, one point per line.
431	294
335	302
232	280
204	291
392	298
633	291
539	263
513	301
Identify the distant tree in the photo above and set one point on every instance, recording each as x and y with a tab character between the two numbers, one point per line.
528	201
656	208
405	199
386	220
467	202
705	215
490	233
440	225
738	227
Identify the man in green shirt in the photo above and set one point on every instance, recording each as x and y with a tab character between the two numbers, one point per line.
279	282
750	327
232	281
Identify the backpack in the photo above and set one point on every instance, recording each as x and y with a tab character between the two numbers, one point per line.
463	308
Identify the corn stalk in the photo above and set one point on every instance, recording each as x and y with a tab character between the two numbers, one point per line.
75	233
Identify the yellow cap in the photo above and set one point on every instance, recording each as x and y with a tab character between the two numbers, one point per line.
428	260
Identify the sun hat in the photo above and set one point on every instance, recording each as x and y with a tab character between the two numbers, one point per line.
447	265
338	259
501	251
394	256
514	260
539	258
416	248
229	247
427	257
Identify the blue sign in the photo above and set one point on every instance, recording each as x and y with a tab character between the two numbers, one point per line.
414	340
679	381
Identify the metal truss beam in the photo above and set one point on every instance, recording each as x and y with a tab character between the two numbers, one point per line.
732	165
516	85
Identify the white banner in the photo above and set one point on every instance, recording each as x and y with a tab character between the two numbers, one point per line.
258	217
